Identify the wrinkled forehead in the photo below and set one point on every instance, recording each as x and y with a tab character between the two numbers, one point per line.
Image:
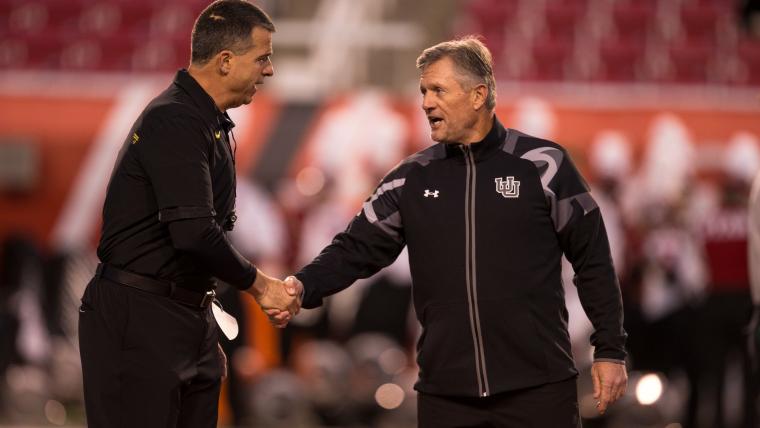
444	72
440	66
440	70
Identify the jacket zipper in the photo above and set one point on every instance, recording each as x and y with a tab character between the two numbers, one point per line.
471	273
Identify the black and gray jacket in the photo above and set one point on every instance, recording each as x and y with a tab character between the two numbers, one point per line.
486	225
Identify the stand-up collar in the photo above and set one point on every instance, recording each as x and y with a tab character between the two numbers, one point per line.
203	100
485	147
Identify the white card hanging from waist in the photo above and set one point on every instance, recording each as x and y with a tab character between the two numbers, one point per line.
226	322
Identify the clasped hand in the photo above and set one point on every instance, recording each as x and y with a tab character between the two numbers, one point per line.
280	300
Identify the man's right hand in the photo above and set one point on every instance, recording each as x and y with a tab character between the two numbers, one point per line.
280	318
280	300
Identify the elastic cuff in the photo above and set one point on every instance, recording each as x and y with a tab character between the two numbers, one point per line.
250	280
609	360
167	215
308	298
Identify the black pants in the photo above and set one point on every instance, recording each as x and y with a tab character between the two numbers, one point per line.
147	361
553	405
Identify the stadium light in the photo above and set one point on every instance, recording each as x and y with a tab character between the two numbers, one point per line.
649	389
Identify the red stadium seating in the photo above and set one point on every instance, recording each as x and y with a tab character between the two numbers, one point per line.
491	14
491	18
690	61
562	18
620	60
749	54
699	21
111	35
633	20
124	35
42	52
550	58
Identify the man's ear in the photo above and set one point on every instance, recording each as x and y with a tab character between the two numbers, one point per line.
478	97
223	60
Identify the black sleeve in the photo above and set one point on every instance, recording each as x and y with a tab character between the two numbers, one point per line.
175	155
207	243
372	241
583	239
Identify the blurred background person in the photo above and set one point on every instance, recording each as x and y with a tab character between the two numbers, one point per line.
727	304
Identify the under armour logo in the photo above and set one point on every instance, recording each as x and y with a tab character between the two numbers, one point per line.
429	193
508	187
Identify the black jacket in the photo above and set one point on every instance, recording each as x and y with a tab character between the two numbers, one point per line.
486	226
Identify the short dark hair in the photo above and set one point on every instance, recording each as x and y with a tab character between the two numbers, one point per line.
471	56
226	24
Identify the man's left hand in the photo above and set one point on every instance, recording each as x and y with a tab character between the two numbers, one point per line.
610	383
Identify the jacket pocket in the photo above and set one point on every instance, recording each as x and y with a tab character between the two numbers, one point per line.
446	353
514	347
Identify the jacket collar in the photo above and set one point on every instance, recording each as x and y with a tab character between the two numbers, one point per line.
203	100
491	143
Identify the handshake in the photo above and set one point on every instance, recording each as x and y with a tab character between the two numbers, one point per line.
280	300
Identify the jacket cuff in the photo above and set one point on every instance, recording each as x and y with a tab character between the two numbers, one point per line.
251	278
602	353
609	360
311	298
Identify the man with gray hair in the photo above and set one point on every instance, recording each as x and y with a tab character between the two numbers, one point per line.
487	214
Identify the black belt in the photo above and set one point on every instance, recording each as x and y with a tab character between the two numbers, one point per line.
171	290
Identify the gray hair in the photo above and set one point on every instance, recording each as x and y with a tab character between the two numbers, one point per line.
471	56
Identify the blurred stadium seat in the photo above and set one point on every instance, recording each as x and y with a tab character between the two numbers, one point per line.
633	20
550	58
617	41
691	61
562	19
699	21
749	53
108	35
556	38
620	60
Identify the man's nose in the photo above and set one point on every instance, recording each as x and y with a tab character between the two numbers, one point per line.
427	103
269	69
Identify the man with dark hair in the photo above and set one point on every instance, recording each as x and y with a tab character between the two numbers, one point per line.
226	25
487	215
148	339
